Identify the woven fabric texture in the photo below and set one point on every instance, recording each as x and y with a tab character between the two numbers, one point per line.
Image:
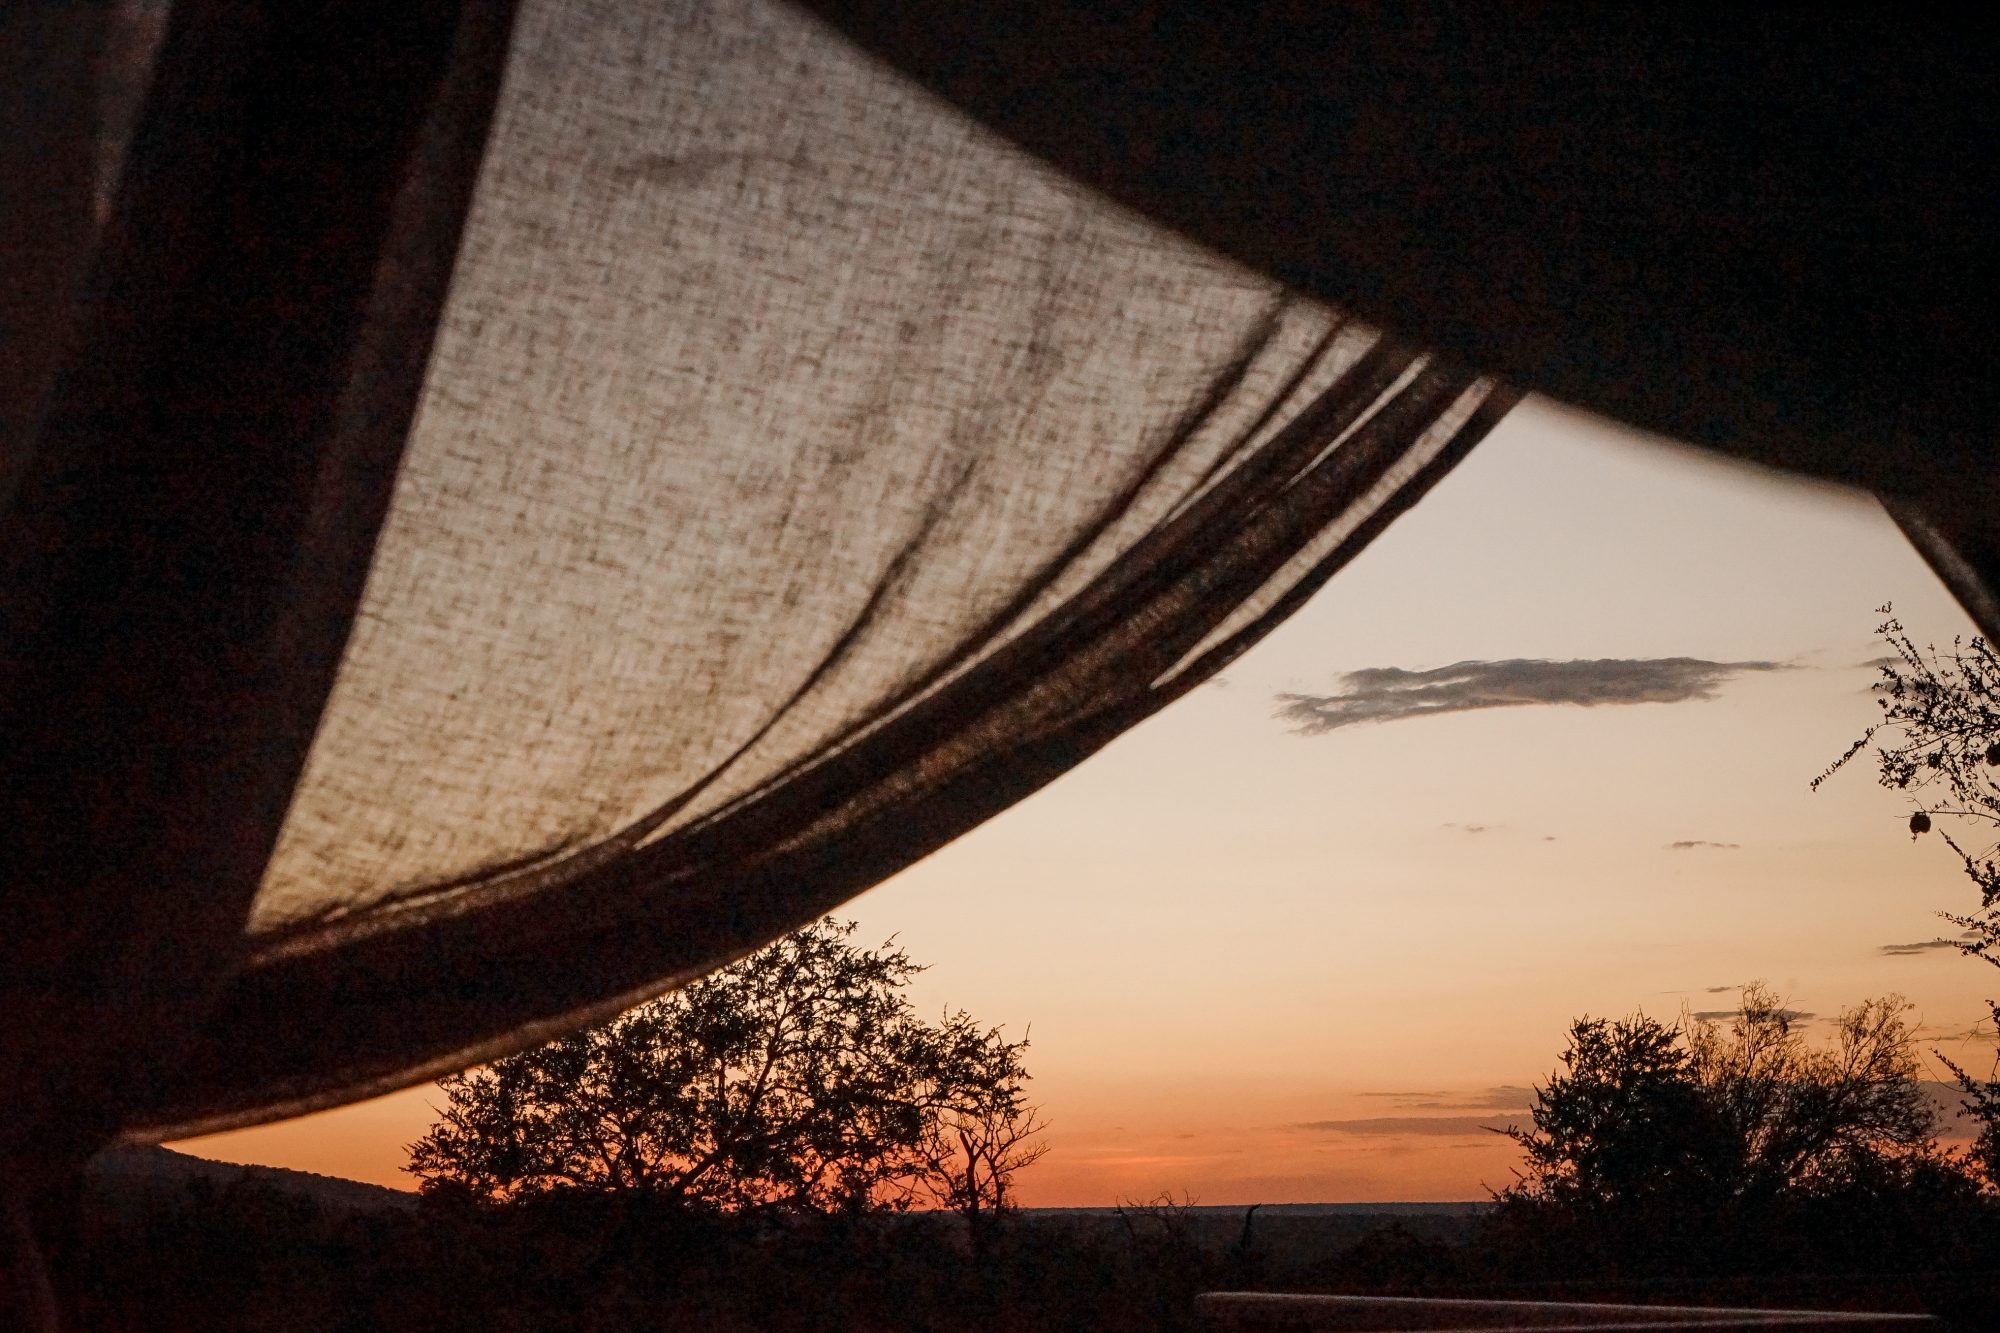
802	476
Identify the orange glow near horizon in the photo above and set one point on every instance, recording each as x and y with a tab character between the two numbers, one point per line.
1258	966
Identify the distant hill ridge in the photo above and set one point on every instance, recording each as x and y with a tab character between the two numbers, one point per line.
138	1167
129	1170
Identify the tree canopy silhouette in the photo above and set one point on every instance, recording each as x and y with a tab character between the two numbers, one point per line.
1695	1150
799	1076
1623	1119
1701	1115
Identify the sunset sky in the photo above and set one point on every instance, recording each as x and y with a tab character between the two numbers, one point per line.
1287	942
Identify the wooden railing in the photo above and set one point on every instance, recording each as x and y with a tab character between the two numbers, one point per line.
1256	1312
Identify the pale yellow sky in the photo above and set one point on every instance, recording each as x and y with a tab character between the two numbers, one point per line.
1221	932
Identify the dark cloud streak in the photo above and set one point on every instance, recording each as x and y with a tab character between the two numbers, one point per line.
1505	1097
1726	1015
1440	1126
1921	946
1390	694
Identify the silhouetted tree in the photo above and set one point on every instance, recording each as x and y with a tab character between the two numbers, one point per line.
1622	1120
799	1076
1707	1114
1938	741
975	1142
1694	1149
1799	1117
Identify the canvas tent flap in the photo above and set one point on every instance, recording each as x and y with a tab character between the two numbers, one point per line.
816	457
1761	232
803	475
197	463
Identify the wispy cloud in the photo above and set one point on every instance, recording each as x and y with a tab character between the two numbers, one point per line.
1389	694
1443	1126
1725	1015
1470	828
1505	1097
1693	844
1921	946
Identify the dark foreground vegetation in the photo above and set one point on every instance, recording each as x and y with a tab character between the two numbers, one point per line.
251	1255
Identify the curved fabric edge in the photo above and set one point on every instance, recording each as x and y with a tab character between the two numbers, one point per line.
519	971
1750	231
1966	561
